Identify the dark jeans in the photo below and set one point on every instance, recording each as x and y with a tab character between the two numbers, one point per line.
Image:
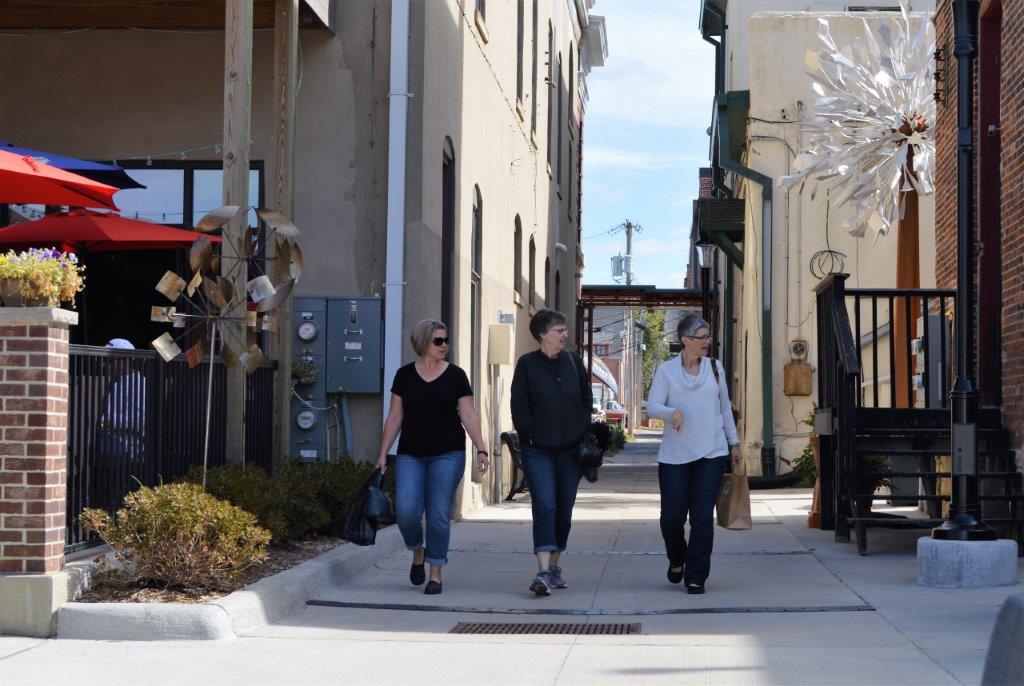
427	485
554	478
690	489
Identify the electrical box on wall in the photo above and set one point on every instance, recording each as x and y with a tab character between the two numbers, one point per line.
354	328
501	345
336	348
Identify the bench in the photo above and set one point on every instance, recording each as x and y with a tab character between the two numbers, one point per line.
517	480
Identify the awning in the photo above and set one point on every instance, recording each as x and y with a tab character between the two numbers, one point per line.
82	230
601	372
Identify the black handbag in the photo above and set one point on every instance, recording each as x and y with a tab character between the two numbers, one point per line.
371	508
588	455
378	504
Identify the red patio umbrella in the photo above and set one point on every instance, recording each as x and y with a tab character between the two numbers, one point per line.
84	230
25	180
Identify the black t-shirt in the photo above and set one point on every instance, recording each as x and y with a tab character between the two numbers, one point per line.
430	411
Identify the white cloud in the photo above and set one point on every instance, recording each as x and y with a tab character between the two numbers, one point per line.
659	70
598	156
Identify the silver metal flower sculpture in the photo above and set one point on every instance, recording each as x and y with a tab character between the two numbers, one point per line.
873	121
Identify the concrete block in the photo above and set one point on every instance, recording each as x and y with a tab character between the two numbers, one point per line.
966	564
143	622
1004	665
29	603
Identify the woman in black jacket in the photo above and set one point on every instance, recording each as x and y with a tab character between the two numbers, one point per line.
551	405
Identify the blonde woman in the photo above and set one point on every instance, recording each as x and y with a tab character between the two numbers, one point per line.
432	406
689	393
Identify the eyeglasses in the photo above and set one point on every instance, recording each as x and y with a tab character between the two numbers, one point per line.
440	341
702	339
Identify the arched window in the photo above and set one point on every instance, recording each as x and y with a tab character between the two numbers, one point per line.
475	286
533	273
517	261
559	119
547	282
520	38
448	233
558	291
550	83
533	77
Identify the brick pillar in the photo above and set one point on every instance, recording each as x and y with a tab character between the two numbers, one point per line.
33	460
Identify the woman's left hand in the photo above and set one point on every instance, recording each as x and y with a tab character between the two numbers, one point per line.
736	457
483	460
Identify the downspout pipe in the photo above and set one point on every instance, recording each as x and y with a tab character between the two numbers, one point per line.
719	45
768	466
398	117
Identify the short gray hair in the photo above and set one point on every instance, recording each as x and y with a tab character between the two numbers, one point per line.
423	332
690	325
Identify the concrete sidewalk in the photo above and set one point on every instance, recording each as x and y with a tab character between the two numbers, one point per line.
785	605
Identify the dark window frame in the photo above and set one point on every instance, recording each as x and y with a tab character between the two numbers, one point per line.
520	39
517	260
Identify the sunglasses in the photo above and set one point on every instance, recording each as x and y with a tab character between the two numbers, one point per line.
440	341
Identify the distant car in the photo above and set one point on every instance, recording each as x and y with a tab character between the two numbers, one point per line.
615	413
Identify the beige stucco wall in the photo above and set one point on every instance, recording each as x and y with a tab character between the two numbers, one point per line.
125	94
465	90
128	94
778	84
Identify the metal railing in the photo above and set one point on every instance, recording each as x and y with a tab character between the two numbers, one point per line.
133	419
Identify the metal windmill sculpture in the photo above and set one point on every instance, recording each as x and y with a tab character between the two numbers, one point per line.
872	142
205	306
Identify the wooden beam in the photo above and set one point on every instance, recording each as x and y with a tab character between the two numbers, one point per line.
237	135
118	14
286	55
908	275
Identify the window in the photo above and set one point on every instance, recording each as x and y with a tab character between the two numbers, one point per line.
520	37
533	273
447	232
558	291
475	284
517	261
550	83
547	282
533	78
558	122
180	193
572	85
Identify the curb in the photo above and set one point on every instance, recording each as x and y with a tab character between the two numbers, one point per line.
263	602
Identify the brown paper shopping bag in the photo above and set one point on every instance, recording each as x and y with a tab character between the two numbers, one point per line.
734	502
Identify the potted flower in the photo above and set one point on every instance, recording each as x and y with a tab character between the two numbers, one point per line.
40	277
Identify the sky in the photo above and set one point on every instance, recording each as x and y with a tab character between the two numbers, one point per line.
645	137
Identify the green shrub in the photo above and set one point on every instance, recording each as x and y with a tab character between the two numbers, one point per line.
177	536
337	484
301	499
618	437
804	467
287	504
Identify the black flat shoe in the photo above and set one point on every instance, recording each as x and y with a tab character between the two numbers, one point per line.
417	574
433	588
674	577
694	589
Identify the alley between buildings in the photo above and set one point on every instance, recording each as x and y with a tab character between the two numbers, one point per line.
785	605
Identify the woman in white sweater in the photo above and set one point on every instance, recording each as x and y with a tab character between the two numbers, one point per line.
700	436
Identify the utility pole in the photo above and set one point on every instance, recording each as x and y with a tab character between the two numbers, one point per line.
630	334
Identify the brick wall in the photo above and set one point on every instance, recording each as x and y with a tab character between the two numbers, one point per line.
1012	196
33	453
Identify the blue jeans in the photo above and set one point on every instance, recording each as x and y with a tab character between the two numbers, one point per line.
428	484
690	489
554	477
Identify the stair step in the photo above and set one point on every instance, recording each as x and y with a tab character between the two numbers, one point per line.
924	452
919	523
940	475
1010	497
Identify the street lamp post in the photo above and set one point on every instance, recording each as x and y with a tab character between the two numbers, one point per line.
964	521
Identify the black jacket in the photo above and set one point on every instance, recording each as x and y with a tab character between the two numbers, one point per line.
551	399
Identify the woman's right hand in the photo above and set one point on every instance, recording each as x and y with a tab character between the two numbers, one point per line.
677	420
382	463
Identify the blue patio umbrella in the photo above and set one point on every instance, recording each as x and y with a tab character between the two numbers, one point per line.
109	174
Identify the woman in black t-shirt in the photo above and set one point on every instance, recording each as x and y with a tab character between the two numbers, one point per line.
431	402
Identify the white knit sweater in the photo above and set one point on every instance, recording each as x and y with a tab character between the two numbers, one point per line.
708	425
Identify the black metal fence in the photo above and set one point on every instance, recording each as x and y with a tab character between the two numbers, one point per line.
134	419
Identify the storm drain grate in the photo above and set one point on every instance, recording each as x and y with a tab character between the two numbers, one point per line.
544	628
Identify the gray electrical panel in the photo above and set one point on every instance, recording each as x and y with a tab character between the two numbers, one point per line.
354	328
341	339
